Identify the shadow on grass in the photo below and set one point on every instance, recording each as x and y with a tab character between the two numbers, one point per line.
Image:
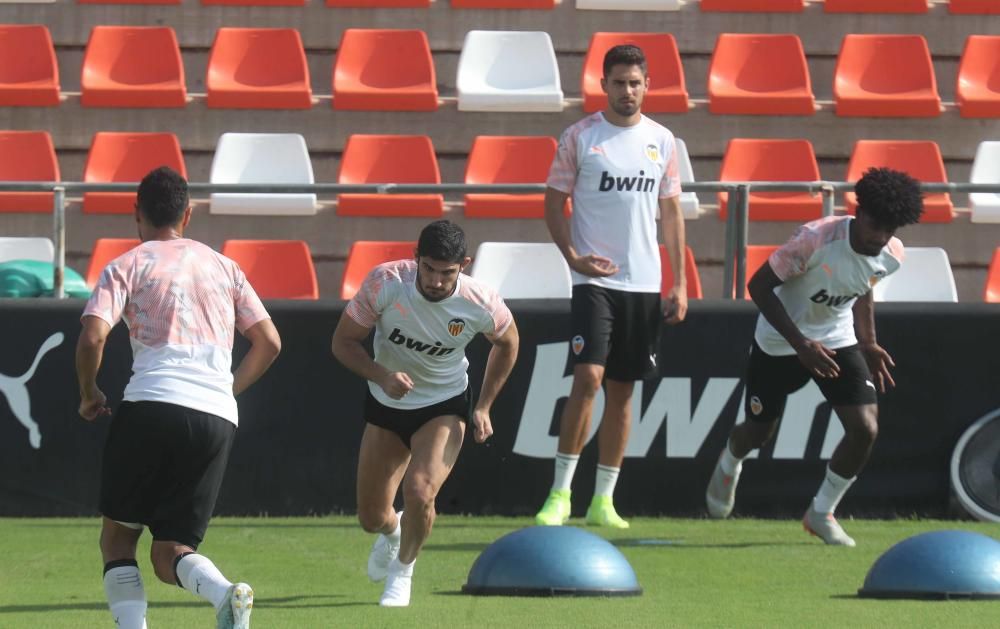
461	546
287	602
682	545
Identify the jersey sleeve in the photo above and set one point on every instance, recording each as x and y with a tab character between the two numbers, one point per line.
367	305
499	317
110	296
249	309
562	174
670	185
792	258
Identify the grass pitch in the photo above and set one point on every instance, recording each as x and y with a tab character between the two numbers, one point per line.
310	573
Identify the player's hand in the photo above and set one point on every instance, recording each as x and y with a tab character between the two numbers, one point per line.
879	362
93	404
482	427
675	306
818	359
396	384
593	266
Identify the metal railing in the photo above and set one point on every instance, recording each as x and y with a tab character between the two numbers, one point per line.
737	206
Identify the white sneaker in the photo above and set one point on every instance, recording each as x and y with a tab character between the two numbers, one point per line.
397	585
384	550
721	493
235	611
825	527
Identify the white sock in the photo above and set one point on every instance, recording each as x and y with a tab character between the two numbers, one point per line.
565	468
404	569
607	478
198	575
126	594
729	462
394	536
831	491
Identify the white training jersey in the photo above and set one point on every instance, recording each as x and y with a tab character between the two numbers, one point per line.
425	339
822	276
616	176
181	302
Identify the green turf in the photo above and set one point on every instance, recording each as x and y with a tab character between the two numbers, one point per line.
310	572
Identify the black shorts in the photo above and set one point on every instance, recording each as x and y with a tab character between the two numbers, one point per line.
618	329
405	422
771	378
162	466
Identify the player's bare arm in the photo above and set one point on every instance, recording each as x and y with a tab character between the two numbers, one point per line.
590	265
265	345
672	223
499	364
89	353
879	360
816	357
348	349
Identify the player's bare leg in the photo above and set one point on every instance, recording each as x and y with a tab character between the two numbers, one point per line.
612	437
122	581
720	497
435	448
382	461
860	430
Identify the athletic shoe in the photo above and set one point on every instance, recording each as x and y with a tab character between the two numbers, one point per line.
721	493
398	584
556	509
602	513
825	527
384	550
235	611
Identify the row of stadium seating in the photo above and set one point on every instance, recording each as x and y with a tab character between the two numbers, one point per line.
763	6
283	269
393	70
284	158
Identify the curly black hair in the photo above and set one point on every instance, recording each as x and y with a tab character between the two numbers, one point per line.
163	197
443	241
889	197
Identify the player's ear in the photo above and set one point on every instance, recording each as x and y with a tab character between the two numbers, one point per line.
465	263
604	84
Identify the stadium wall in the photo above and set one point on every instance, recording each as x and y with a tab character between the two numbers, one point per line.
296	450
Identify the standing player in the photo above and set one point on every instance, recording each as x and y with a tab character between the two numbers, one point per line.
621	169
424	312
169	441
818	321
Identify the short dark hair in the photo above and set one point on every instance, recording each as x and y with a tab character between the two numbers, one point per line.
624	55
163	197
443	241
890	197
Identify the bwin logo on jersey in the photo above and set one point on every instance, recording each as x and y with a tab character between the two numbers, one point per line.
16	391
436	349
626	184
822	297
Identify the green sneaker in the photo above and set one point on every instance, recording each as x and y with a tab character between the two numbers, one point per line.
555	511
602	513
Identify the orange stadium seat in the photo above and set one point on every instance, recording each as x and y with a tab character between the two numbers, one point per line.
772	160
690	273
27	156
508	159
667	91
258	68
757	255
277	269
132	66
29	74
503	4
386	70
974	7
759	74
992	292
875	6
978	89
126	157
885	75
753	6
260	3
389	159
920	159
105	250
375	4
365	255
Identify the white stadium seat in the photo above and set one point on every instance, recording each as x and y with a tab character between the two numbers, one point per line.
39	249
689	200
629	5
925	276
508	71
986	169
262	158
523	270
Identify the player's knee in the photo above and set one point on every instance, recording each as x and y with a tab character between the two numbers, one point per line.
372	521
866	429
419	494
758	433
162	559
586	383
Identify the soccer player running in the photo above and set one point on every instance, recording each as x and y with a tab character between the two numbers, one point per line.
424	312
817	321
621	169
169	441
